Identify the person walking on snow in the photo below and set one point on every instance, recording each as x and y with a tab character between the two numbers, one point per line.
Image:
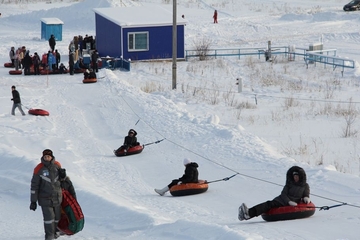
190	176
215	16
46	190
17	101
296	190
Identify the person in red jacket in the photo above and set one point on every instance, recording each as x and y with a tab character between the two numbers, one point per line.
215	17
46	190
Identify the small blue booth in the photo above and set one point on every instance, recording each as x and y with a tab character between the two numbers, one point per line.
51	26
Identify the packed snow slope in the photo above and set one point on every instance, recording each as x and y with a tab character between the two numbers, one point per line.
88	121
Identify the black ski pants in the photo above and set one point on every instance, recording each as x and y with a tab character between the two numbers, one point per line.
263	207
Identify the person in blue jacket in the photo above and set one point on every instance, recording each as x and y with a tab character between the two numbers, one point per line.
50	59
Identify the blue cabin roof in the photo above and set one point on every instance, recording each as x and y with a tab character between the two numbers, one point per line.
148	15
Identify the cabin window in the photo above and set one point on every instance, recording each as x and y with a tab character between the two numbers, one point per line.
138	41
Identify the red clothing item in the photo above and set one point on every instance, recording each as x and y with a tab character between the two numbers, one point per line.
215	17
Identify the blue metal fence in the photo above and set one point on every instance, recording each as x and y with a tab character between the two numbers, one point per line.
326	57
115	63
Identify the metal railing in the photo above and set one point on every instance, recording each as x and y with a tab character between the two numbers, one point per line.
233	52
326	56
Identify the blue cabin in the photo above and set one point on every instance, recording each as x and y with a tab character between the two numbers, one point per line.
51	26
138	33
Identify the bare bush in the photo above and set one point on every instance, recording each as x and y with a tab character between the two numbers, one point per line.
350	117
229	98
202	48
245	105
290	102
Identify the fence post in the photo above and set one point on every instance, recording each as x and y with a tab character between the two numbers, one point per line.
239	83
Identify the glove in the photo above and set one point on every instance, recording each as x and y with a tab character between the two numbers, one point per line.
62	173
306	200
33	206
292	203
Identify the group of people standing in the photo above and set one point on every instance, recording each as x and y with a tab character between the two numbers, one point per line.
22	59
77	47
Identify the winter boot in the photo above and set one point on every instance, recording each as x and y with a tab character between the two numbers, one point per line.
243	212
161	192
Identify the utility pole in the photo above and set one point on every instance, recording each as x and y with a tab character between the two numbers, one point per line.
174	46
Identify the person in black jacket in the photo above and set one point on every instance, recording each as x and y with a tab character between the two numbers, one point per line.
94	58
129	141
52	42
92	74
190	176
296	190
36	62
71	63
58	58
17	101
27	62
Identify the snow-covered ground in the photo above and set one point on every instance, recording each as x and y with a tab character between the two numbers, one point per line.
299	119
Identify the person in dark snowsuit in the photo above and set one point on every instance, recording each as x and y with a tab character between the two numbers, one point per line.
62	68
52	42
129	141
92	74
17	101
27	62
87	74
58	58
71	63
12	55
94	59
36	62
190	176
46	190
296	190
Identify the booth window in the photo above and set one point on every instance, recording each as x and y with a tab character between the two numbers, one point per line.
138	41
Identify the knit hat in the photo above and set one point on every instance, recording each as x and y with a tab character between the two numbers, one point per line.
186	161
13	87
48	152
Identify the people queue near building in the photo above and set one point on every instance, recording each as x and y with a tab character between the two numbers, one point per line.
22	58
